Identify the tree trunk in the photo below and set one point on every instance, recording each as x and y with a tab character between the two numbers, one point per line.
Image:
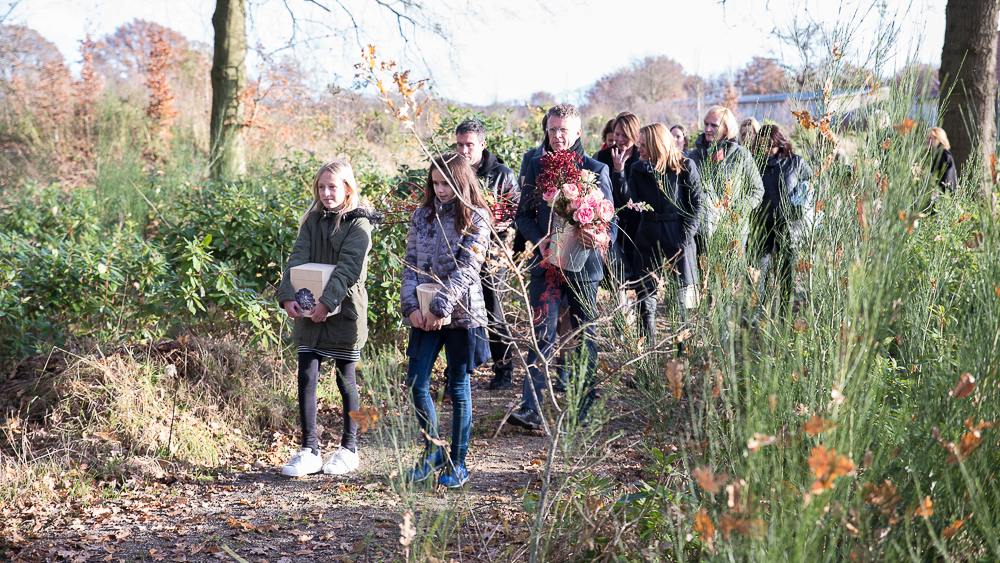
229	78
969	84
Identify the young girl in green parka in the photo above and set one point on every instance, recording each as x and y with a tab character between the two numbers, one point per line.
336	229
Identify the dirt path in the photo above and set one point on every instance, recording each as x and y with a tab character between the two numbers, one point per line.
254	514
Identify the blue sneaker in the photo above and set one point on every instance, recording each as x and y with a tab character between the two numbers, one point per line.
427	466
455	477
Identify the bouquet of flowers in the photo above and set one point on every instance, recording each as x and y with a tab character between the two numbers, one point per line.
577	203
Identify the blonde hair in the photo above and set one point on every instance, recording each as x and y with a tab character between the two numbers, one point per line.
341	169
728	120
661	148
753	125
940	136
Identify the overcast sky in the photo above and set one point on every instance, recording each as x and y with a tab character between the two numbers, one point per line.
507	53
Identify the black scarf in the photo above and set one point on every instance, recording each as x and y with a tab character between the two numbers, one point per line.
577	147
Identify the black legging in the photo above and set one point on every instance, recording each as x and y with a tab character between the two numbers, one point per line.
309	363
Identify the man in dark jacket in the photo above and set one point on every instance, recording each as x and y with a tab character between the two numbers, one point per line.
549	283
502	192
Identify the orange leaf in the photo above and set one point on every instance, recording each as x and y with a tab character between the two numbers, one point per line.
887	143
817	425
805	120
803	266
926	508
861	214
366	417
952	530
996	288
708	480
675	377
704	526
827	466
966	385
904	127
800	325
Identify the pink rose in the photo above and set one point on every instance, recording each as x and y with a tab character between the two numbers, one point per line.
606	210
591	200
571	191
550	194
575	204
584	215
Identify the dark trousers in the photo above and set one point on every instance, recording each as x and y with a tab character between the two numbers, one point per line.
546	294
776	258
499	332
455	342
309	363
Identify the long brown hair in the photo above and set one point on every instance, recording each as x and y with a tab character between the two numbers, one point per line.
661	148
457	171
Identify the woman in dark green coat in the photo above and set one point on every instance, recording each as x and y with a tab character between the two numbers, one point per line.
336	229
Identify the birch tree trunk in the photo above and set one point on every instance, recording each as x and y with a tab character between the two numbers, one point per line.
969	85
229	77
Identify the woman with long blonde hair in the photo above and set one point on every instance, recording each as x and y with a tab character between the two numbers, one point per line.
335	229
668	182
943	167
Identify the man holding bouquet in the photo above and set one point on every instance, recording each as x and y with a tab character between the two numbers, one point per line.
566	211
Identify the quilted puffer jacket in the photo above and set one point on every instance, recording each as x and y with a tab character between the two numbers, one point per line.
436	253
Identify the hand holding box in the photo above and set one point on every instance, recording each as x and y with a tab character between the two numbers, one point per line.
309	281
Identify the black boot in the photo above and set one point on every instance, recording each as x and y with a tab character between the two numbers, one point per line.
647	318
502	379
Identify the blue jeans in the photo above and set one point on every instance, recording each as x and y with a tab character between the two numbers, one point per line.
546	294
423	350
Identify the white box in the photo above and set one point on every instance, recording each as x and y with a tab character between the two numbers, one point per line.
309	281
426	292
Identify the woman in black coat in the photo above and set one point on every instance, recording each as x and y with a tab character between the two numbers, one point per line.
669	183
780	222
620	157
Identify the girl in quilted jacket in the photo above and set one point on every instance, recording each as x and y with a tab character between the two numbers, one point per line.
336	229
447	244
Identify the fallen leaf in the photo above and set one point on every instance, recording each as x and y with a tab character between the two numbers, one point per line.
966	385
705	528
675	377
952	530
826	466
759	441
886	143
975	242
817	425
754	274
800	325
708	480
883	496
748	527
406	530
803	266
925	509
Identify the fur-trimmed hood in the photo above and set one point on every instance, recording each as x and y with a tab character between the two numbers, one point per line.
374	217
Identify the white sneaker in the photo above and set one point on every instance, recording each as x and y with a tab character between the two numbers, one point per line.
343	461
303	463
